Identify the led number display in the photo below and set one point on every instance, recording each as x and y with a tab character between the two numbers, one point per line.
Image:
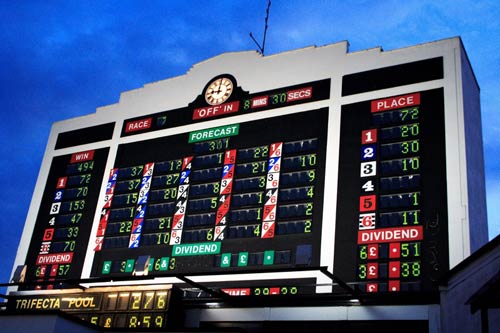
245	196
391	210
64	221
131	308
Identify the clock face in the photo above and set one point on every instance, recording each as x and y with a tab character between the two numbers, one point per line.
219	91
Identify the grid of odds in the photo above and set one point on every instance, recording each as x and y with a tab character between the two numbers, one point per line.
194	203
390	232
63	229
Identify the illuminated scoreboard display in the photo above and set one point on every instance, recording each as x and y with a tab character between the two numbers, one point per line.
256	174
138	307
232	197
393	203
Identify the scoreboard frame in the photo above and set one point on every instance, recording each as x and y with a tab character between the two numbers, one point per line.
266	90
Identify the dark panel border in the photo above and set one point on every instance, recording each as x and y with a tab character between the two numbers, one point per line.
393	76
85	135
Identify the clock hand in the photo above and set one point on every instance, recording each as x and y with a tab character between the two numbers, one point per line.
219	86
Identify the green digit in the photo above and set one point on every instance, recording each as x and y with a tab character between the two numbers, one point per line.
312	175
404	147
414	113
416	249
405	250
309	208
258	167
256	230
414	129
282	97
262	182
256	153
213	202
363	252
259	195
362	271
415	269
405	269
307	226
403	114
415	198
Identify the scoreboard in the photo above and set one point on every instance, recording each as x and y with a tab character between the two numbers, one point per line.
254	174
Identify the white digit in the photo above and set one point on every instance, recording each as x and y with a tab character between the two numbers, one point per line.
368	186
368	152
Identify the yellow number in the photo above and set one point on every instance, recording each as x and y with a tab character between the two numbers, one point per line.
172	264
159	321
148	300
136	301
161	300
132	322
146	321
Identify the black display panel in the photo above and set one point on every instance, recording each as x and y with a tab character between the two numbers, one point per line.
62	230
241	197
85	135
393	76
391	231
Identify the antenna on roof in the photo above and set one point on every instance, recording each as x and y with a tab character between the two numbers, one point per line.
261	48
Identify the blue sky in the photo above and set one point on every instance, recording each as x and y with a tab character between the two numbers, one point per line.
63	59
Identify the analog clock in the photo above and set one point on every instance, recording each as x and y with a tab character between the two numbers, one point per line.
219	91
